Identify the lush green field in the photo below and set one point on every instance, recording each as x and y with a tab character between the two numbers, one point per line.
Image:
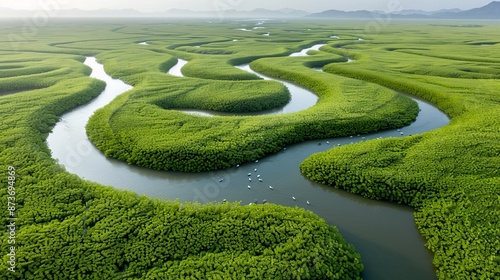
138	129
70	228
451	175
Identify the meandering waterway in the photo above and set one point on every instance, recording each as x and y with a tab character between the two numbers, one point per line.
384	233
300	98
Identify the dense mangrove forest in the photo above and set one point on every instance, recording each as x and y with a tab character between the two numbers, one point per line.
61	226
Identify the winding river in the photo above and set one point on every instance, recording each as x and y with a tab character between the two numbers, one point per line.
384	233
300	98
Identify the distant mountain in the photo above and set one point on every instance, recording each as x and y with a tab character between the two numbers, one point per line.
256	13
343	14
427	13
265	13
490	11
446	11
412	12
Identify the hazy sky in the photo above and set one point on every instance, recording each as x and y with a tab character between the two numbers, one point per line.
307	5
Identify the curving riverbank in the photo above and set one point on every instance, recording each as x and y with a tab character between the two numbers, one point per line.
300	98
359	220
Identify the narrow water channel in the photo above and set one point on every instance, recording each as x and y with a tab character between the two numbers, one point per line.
384	233
300	98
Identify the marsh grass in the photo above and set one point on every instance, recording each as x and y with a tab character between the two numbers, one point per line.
69	228
450	175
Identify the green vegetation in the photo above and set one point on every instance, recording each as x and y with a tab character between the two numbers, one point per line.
223	97
68	228
174	93
204	68
451	175
138	129
144	133
17	75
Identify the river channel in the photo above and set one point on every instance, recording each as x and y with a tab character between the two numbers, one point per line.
384	233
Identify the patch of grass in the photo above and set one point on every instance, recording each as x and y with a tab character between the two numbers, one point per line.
72	228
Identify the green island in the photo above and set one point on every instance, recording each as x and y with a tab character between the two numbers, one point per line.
70	228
